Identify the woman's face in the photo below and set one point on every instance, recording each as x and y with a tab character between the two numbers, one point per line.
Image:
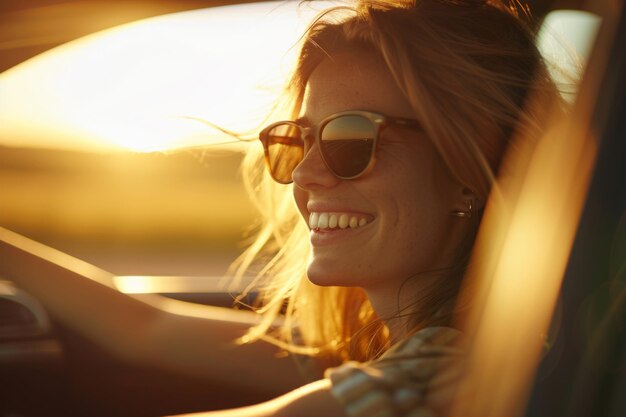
405	200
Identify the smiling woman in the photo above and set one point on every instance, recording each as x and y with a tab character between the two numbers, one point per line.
372	186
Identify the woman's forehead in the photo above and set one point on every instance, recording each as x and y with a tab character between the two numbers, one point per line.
353	81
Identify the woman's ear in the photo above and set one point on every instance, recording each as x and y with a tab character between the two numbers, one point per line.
467	203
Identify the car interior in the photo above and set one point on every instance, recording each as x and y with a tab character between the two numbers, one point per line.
47	369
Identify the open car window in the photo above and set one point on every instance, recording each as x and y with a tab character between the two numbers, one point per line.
110	143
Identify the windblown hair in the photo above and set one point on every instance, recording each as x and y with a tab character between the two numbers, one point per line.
468	69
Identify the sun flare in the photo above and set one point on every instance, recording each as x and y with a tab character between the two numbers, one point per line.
143	86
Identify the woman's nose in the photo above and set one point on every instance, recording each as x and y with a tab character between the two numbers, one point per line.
312	172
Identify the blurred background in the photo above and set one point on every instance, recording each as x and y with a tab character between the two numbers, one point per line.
99	155
130	213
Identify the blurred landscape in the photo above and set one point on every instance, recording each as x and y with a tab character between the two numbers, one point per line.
180	213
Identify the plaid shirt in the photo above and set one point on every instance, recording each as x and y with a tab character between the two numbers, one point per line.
415	378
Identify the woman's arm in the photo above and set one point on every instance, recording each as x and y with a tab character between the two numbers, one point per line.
146	329
312	400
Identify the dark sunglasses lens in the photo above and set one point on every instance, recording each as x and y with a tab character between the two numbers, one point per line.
284	151
348	144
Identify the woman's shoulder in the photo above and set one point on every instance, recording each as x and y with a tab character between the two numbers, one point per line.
427	342
414	377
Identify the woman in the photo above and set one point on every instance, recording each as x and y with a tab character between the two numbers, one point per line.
402	111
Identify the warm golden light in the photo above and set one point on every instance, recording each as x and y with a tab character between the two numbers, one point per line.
565	40
141	284
522	251
131	87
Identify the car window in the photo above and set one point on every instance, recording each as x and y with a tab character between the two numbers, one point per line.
92	134
552	316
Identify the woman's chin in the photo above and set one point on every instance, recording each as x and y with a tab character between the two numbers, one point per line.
325	276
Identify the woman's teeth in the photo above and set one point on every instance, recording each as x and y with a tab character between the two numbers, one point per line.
323	221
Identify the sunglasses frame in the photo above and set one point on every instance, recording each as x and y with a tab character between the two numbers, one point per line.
378	120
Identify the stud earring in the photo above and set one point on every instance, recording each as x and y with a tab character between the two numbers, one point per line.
466	214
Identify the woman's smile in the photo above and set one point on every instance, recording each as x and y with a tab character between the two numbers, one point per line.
328	222
332	229
332	222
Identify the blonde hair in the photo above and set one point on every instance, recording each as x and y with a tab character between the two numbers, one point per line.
466	68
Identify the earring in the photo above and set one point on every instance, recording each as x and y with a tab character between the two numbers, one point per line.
466	214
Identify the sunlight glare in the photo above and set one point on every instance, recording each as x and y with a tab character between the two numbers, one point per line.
565	40
132	87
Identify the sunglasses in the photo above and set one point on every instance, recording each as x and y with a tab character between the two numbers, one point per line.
346	142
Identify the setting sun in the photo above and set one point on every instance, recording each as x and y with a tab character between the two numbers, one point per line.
142	86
